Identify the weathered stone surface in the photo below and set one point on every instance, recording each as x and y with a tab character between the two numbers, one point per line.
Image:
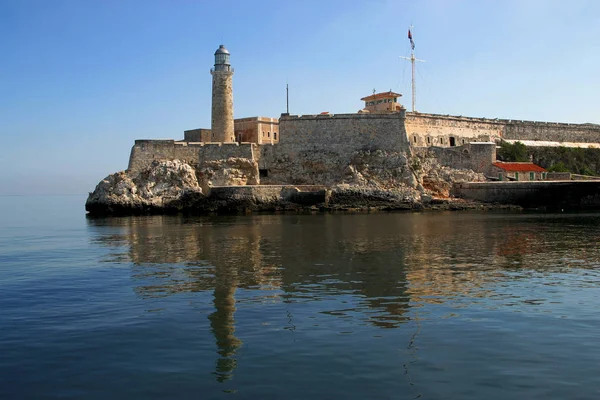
380	169
369	197
373	179
233	171
165	186
439	130
437	180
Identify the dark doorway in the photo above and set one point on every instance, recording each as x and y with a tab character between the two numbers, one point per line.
263	173
452	141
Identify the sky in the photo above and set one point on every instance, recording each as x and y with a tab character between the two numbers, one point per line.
80	80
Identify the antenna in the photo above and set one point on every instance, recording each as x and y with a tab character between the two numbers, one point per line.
412	60
287	98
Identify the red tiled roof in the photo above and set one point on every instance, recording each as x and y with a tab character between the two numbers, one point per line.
383	95
519	167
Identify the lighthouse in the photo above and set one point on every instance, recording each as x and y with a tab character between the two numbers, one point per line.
222	97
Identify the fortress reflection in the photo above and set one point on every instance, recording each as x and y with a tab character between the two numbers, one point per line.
387	263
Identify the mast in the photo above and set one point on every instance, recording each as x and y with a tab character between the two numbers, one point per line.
287	99
412	60
414	87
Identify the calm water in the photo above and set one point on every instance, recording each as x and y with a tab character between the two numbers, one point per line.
402	306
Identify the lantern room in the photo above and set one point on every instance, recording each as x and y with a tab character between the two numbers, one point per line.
222	59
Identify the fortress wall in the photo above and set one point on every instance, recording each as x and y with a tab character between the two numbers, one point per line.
317	149
475	156
144	152
343	133
551	131
436	130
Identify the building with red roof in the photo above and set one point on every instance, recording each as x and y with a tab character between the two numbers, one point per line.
382	103
518	171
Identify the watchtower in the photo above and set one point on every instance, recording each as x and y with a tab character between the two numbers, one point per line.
222	97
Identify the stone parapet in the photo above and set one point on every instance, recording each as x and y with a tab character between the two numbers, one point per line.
144	152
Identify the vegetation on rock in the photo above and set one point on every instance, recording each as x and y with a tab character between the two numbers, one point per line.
555	159
562	159
516	152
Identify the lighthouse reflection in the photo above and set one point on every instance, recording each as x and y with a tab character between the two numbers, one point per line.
359	270
222	324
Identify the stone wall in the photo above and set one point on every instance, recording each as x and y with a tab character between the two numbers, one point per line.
197	135
551	195
194	154
477	156
447	130
558	176
551	131
318	149
343	133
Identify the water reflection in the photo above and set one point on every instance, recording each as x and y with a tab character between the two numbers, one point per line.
222	322
376	267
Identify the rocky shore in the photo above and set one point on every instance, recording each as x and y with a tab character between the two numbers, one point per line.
175	187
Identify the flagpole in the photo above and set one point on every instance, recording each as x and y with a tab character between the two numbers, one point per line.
414	88
412	60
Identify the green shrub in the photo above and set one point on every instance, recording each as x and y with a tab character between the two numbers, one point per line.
516	152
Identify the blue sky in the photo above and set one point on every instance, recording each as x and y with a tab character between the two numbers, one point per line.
82	79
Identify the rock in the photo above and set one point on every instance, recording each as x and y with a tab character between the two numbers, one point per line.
167	186
229	172
370	179
437	180
347	196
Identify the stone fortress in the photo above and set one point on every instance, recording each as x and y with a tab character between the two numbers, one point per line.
381	157
317	149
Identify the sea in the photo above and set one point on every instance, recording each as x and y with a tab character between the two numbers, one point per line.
385	305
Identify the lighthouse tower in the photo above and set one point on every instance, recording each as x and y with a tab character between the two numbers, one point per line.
222	97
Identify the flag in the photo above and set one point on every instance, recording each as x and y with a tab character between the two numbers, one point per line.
412	43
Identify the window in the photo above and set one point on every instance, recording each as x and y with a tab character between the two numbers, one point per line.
395	99
441	140
380	101
428	140
544	175
415	139
500	176
516	176
275	135
532	176
268	134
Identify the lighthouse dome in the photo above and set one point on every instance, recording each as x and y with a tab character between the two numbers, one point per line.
221	50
